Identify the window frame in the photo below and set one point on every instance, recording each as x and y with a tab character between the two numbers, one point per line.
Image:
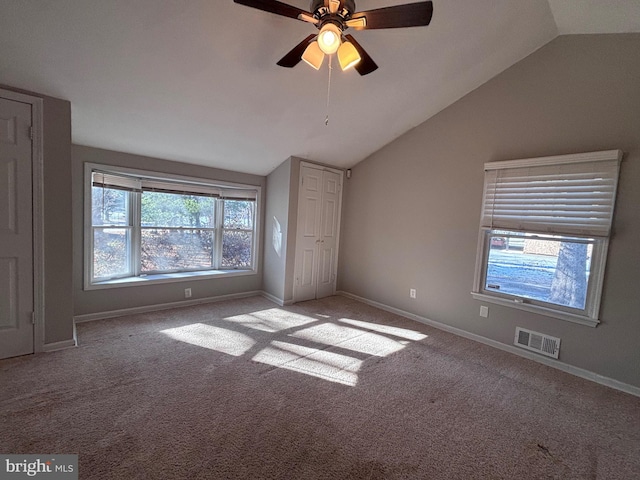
224	229
141	228
587	316
130	207
590	314
136	277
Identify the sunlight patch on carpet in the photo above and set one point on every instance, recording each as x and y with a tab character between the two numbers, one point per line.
271	320
395	331
351	339
330	366
213	338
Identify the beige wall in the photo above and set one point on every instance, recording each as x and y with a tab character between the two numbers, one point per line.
277	209
97	301
57	221
294	191
282	203
412	210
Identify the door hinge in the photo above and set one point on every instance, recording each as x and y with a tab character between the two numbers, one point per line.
31	133
33	318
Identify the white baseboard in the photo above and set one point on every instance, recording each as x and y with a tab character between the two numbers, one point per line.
89	317
277	300
55	346
273	298
579	372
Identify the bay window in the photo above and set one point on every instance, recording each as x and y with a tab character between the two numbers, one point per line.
143	225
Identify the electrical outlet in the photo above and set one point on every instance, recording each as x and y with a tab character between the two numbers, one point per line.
484	311
187	293
412	293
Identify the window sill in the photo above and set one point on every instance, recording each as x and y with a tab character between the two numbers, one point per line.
549	312
167	278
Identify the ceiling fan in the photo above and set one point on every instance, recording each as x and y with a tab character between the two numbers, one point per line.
332	18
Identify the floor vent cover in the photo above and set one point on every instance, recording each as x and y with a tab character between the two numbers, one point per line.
537	342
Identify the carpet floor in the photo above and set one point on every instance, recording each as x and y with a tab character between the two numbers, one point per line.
327	389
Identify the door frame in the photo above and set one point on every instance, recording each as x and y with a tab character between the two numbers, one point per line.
335	265
37	172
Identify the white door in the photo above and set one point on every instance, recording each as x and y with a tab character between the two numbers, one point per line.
327	256
308	238
16	251
317	237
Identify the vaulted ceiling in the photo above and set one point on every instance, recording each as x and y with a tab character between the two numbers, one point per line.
197	81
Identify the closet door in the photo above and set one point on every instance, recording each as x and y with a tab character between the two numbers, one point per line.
16	247
328	245
308	237
317	235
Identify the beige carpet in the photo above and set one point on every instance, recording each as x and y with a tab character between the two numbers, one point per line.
329	389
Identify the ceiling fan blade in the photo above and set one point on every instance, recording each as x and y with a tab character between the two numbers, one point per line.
398	16
333	5
308	18
292	58
366	65
279	8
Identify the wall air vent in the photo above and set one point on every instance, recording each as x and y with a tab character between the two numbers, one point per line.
537	342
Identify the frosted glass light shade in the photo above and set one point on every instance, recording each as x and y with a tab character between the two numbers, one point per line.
348	56
313	55
329	38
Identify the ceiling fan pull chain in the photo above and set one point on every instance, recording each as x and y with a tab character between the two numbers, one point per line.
326	120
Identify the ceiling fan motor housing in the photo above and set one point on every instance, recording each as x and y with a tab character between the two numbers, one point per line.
349	5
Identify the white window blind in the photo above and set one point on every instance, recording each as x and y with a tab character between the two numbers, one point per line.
239	194
139	184
180	188
569	194
117	182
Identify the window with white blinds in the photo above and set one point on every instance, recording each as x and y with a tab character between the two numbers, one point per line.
571	195
544	233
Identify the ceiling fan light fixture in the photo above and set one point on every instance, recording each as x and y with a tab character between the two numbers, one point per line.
348	56
313	55
329	38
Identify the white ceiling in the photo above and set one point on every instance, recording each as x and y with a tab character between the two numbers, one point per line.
197	81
